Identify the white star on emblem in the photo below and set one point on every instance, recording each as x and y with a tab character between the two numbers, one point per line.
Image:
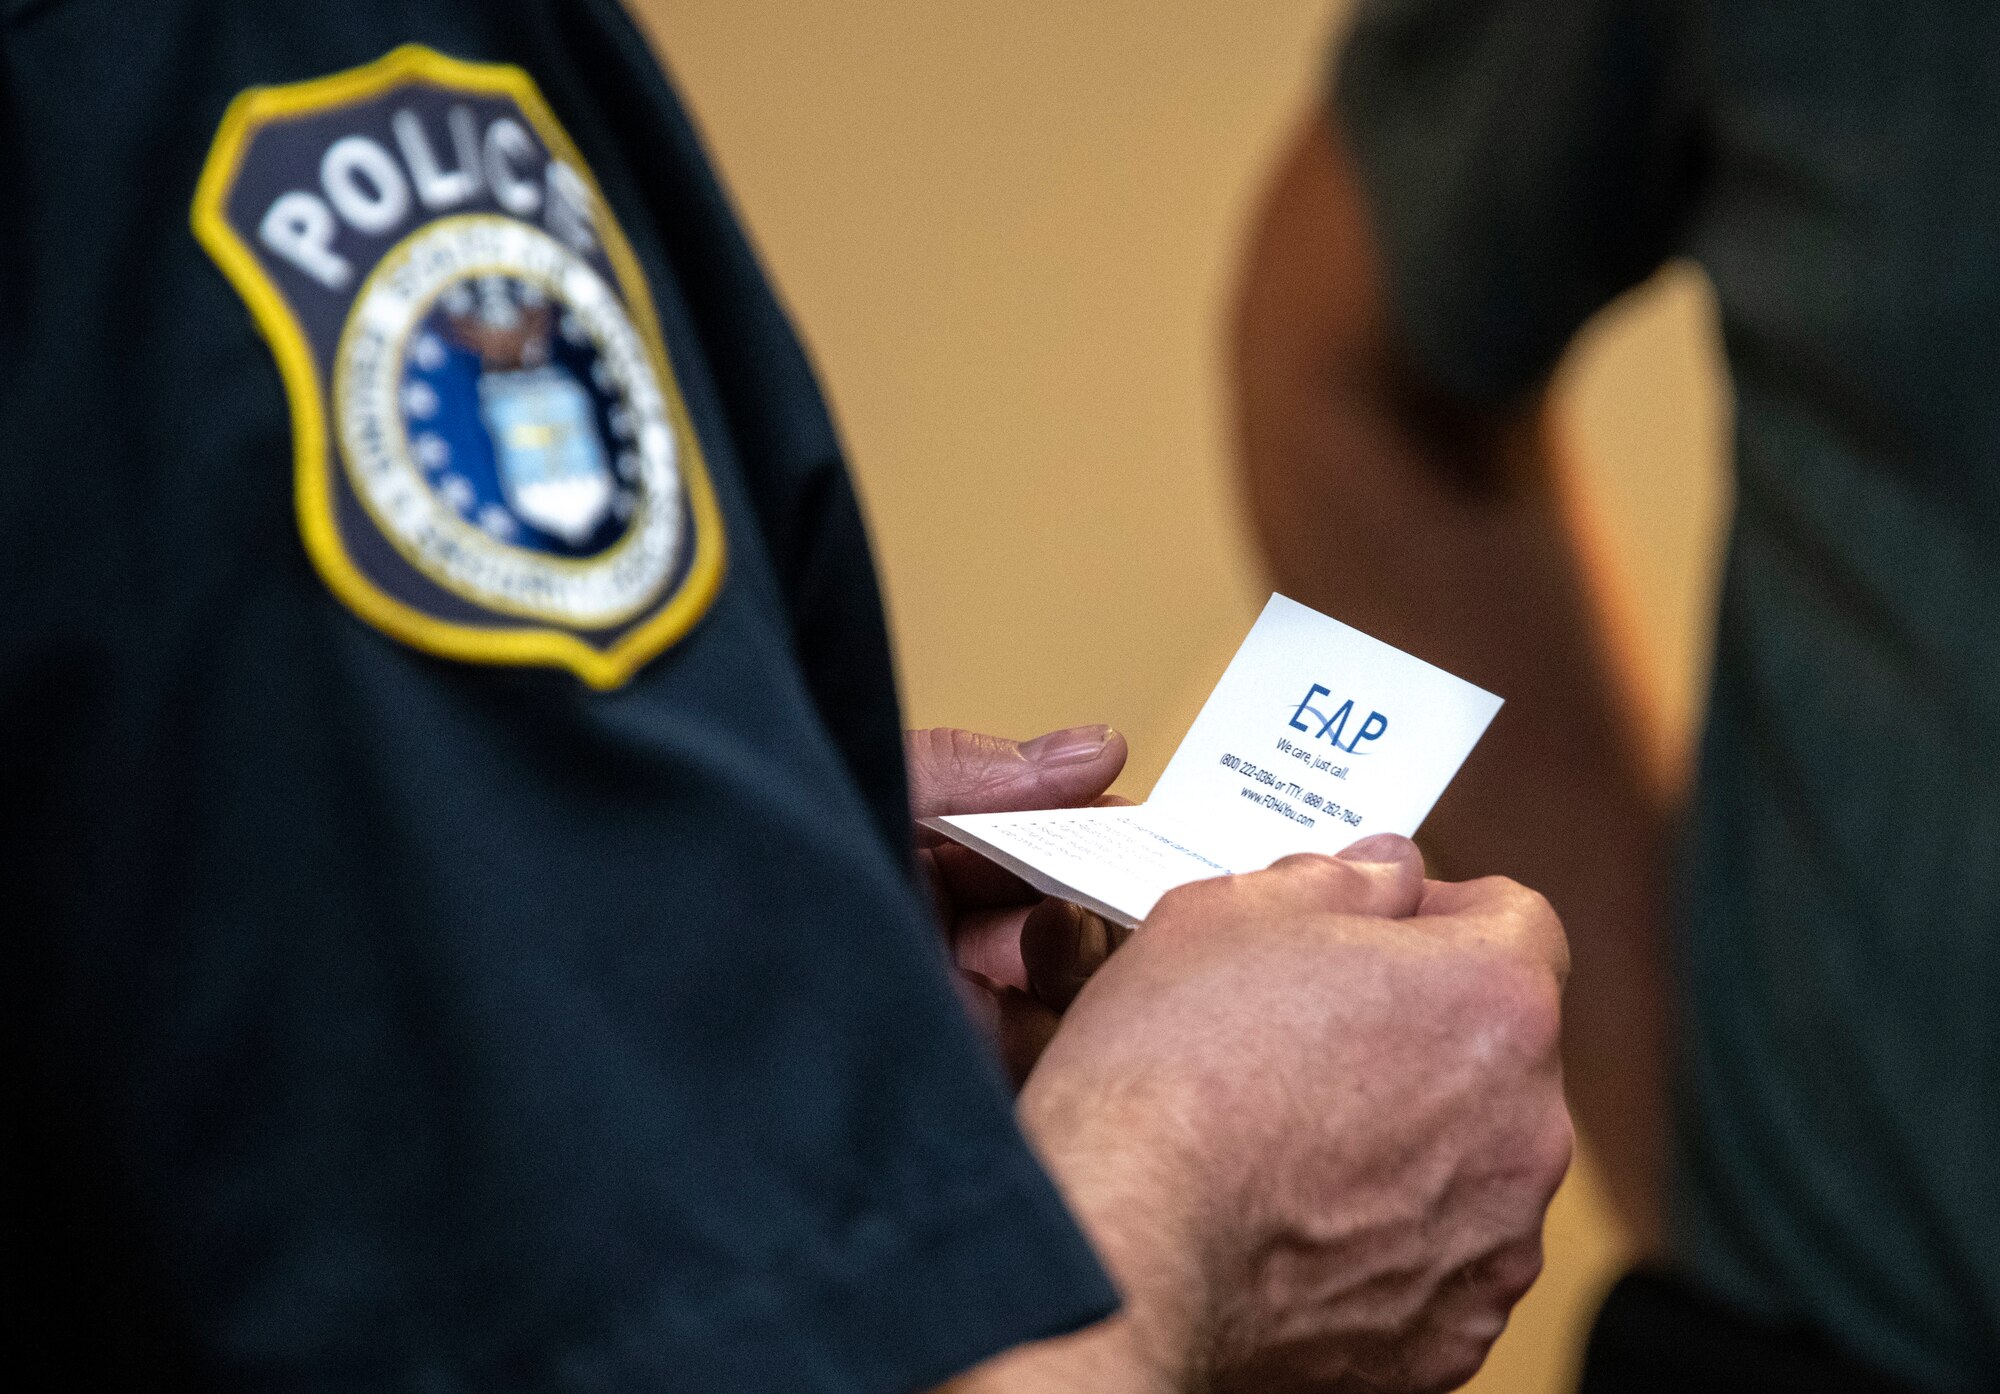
428	352
498	521
420	400
458	492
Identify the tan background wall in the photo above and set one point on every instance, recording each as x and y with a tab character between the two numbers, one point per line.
1007	230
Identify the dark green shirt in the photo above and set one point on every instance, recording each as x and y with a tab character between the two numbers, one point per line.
1833	168
461	933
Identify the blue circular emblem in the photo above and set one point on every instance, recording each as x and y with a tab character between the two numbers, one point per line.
503	424
515	420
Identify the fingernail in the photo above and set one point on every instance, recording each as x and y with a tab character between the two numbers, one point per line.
1382	847
1071	747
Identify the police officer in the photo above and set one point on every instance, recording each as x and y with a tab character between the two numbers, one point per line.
458	835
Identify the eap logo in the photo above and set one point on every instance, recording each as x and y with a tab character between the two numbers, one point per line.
492	458
1333	727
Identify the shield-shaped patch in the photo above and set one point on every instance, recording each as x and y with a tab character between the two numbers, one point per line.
493	460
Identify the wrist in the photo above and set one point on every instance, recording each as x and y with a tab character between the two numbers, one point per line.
1130	1189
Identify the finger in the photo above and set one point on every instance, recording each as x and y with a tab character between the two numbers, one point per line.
1383	847
1019	1027
953	771
1497	908
935	886
1026	1027
972	881
1381	875
988	943
1378	877
1061	946
981	1001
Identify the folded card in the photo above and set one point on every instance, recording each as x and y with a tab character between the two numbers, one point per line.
1315	737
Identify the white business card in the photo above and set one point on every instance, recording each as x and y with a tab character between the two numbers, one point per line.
1315	737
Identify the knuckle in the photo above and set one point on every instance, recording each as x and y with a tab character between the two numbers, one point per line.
954	770
1452	1362
1535	1017
1196	900
934	746
1516	1268
1311	867
933	755
1527	913
1516	1008
1490	1289
1536	925
1332	884
1553	1148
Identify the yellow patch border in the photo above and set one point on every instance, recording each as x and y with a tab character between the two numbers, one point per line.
601	668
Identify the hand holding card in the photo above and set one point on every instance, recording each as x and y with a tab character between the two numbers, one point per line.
1316	736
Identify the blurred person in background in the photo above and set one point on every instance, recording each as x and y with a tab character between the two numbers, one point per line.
460	939
1811	973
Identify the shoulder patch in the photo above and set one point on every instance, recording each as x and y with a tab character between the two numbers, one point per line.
493	461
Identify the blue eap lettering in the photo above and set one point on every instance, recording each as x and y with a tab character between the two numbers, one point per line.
1333	728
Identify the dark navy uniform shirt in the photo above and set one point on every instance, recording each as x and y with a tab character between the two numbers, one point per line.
461	931
1832	167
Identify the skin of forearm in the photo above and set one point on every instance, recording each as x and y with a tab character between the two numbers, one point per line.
1099	1360
1447	532
1133	1208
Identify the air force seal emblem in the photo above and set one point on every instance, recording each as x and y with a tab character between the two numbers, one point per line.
493	461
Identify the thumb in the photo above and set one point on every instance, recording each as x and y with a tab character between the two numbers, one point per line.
953	771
